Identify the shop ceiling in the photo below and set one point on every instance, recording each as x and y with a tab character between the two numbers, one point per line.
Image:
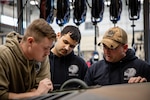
10	6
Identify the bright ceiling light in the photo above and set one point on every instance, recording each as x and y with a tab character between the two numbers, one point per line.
33	2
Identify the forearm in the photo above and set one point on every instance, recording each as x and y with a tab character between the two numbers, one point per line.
45	85
22	95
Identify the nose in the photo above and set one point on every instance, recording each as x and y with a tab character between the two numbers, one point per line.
47	52
67	47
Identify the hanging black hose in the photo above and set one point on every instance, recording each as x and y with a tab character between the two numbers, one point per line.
134	7
63	12
47	10
43	9
97	11
50	11
79	15
115	10
95	37
80	10
133	43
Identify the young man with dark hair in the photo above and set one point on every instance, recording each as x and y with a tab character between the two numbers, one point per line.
64	63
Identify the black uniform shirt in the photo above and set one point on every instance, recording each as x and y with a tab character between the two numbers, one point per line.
66	67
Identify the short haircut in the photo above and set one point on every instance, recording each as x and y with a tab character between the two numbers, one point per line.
75	32
39	29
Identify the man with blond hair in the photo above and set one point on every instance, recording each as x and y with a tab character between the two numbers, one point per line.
24	63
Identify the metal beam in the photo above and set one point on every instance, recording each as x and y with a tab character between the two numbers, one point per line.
20	16
146	30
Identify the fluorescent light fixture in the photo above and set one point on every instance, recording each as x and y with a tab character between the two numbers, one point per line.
11	21
107	3
142	1
33	2
8	20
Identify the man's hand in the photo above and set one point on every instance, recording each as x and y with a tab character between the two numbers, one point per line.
138	79
45	85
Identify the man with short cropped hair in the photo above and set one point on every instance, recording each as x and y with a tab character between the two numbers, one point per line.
24	63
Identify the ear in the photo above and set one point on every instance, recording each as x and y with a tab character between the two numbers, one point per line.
58	35
30	40
125	47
